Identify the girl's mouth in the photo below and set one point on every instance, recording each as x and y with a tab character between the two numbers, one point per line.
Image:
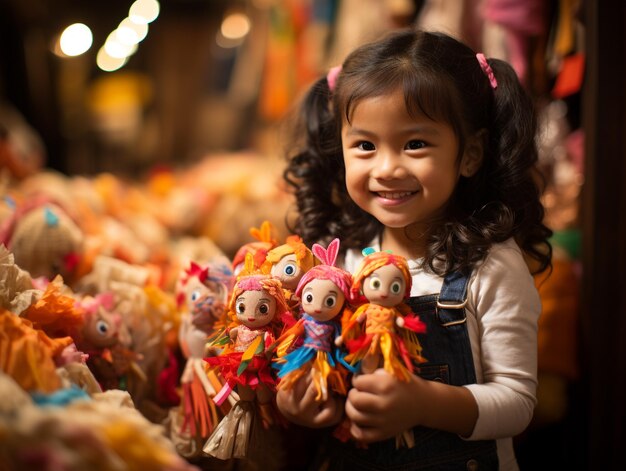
394	197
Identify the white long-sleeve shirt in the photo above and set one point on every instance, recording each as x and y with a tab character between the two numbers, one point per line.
502	311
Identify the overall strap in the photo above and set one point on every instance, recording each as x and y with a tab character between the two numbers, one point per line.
452	299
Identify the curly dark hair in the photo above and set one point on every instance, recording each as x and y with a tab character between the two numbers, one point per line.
441	78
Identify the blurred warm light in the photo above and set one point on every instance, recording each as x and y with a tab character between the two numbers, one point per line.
235	26
109	63
144	11
116	48
75	39
131	33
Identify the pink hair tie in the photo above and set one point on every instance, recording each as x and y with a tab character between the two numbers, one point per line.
487	69
331	77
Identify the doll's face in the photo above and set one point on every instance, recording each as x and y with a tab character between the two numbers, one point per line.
255	309
322	299
205	298
102	328
288	271
385	286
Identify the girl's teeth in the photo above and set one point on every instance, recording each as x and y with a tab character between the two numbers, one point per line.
394	196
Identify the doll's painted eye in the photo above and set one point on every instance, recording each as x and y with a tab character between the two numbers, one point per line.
308	298
102	327
374	283
264	309
241	308
290	269
396	287
330	301
195	295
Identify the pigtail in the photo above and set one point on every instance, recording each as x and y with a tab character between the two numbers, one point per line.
518	182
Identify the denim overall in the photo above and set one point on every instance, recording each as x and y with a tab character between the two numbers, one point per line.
446	346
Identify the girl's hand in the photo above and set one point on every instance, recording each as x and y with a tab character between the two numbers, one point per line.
299	406
380	406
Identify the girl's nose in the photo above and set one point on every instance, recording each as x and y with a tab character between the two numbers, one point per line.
389	166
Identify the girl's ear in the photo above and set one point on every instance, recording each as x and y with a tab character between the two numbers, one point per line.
473	156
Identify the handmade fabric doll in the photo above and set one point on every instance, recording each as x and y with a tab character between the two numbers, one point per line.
324	291
289	262
203	297
44	240
110	361
382	331
378	333
257	310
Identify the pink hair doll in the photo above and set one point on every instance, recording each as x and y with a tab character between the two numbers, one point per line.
257	310
324	291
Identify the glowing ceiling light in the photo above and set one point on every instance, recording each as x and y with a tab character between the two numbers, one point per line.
130	33
109	63
76	39
235	26
144	11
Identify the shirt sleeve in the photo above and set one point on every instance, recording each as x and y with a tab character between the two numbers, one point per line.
504	308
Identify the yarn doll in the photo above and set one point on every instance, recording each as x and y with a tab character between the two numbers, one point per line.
203	297
289	262
256	312
382	330
110	361
324	291
44	240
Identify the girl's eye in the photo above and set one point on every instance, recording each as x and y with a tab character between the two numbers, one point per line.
396	287
241	308
308	298
290	269
264	308
330	301
366	146
374	283
102	327
415	145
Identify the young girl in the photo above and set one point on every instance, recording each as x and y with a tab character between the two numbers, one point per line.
420	146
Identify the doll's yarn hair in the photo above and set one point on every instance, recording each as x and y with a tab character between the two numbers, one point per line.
327	269
375	260
261	282
293	245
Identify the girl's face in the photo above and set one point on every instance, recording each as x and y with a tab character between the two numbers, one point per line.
385	286
255	309
322	299
288	271
400	169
